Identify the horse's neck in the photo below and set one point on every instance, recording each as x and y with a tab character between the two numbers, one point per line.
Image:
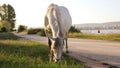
57	33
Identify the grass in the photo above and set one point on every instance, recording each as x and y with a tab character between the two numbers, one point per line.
30	54
112	37
9	36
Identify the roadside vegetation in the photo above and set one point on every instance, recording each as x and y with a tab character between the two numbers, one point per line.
74	33
38	31
111	37
15	53
23	29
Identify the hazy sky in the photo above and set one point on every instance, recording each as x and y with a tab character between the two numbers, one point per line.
31	12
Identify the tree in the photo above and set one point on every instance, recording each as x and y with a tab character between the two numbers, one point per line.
1	13
4	12
11	15
0	25
73	29
22	28
7	15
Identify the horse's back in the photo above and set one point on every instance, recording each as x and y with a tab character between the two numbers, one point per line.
65	19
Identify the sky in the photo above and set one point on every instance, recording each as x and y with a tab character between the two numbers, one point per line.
31	12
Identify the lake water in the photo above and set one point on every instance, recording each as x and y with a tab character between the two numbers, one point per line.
107	31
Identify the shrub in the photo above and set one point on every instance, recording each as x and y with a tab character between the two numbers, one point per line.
73	29
22	28
41	33
3	29
33	31
38	31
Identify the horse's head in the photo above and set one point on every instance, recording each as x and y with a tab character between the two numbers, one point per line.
57	48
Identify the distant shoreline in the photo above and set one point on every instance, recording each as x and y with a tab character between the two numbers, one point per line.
102	31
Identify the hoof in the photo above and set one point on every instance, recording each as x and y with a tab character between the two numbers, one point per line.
67	51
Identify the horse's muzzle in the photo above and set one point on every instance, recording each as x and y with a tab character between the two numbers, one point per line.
57	60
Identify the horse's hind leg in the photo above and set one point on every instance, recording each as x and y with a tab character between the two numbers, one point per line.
66	45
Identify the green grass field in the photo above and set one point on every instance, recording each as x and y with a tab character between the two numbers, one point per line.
16	53
111	37
5	36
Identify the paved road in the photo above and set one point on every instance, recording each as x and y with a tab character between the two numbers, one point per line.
95	53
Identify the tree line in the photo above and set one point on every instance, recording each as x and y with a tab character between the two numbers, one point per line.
7	18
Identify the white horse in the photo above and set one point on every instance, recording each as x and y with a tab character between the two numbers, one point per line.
57	23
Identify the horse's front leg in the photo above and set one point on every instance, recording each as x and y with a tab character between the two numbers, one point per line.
50	56
50	51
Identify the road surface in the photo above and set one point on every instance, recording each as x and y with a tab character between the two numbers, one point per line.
94	53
